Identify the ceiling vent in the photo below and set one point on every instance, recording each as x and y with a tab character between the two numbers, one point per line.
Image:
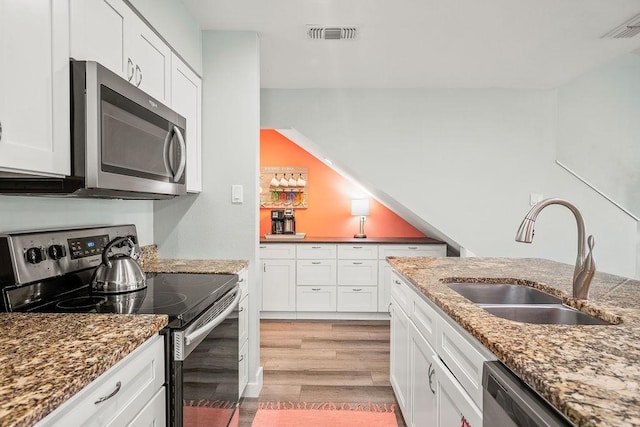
626	30
315	32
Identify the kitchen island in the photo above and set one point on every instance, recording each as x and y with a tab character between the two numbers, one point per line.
45	359
590	373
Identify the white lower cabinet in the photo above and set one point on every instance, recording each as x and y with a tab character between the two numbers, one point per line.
399	357
278	285
436	366
243	331
357	298
316	298
454	406
422	382
131	390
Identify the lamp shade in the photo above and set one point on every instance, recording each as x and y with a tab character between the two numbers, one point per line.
360	207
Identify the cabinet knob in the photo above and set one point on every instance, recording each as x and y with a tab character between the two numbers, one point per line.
316	247
357	289
0	131
413	247
316	262
431	372
315	289
357	263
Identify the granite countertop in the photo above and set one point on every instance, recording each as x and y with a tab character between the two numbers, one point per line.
47	358
152	264
368	240
590	373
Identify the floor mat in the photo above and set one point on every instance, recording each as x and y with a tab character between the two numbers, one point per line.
289	414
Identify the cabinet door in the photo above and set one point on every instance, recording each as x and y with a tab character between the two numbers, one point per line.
34	87
435	250
278	285
186	100
99	33
357	298
243	368
399	368
422	382
454	406
152	415
316	298
243	320
152	60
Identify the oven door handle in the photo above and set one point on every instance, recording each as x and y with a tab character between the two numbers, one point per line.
204	330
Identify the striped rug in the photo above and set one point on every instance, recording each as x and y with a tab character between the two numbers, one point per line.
290	414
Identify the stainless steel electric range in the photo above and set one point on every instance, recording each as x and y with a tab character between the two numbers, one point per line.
51	271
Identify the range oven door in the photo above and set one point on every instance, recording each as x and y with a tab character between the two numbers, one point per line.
205	369
132	141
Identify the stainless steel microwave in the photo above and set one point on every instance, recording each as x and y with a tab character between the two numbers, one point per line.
124	143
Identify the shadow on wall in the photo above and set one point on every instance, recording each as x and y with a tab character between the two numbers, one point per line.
329	196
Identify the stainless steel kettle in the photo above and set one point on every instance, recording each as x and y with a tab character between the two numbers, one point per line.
119	273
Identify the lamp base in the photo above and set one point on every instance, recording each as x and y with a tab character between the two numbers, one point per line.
360	236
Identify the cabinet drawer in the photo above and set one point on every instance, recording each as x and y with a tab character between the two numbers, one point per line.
243	320
316	251
358	251
462	358
425	318
453	403
401	292
358	298
243	279
278	251
137	378
154	413
316	298
316	272
354	272
439	250
243	368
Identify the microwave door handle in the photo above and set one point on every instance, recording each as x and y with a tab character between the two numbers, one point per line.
183	155
166	149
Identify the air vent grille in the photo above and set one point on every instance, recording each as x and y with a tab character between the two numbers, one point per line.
625	31
315	32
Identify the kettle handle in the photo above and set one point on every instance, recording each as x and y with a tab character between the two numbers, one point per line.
105	253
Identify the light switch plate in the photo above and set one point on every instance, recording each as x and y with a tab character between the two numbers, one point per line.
535	198
236	193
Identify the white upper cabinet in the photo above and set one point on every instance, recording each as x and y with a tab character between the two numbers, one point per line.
34	87
186	100
109	32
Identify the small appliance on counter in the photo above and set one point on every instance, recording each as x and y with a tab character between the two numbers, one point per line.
283	225
289	222
277	221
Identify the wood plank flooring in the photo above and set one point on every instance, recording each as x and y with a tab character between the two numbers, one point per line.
323	361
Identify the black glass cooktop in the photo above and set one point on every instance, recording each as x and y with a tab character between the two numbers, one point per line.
180	296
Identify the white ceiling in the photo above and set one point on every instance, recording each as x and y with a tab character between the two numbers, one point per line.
426	43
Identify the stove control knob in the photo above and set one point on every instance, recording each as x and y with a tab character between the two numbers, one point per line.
56	252
34	255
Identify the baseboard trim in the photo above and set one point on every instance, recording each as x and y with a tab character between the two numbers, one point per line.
254	388
322	315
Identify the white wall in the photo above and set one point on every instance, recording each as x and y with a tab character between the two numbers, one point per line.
172	19
599	127
29	213
208	225
464	160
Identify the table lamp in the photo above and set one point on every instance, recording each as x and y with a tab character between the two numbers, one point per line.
360	207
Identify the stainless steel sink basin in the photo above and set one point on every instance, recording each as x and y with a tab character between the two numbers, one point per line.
503	293
523	304
557	314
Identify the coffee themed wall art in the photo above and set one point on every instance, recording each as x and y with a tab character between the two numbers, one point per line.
283	187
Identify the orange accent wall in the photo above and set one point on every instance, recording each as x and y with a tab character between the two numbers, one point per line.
329	196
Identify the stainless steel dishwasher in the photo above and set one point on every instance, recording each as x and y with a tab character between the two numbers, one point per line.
508	401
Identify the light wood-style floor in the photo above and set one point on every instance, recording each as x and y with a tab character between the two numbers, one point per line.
323	361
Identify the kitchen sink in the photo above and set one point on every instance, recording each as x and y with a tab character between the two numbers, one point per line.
503	293
523	304
557	314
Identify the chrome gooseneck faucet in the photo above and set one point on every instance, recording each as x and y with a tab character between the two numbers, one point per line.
585	264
